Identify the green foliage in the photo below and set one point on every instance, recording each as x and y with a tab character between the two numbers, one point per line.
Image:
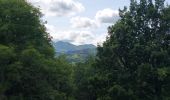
20	25
136	54
6	54
28	67
82	75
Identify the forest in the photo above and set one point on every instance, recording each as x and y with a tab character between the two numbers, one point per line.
132	64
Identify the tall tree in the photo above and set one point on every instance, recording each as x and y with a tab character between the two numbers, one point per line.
134	61
21	26
28	67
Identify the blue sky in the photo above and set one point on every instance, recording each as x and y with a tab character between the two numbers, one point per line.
80	21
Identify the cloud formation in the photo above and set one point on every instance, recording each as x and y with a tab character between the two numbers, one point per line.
82	28
107	16
74	36
83	22
58	7
103	16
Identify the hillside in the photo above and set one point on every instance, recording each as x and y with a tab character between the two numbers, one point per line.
73	52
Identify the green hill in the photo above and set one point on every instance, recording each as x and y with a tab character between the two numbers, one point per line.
74	53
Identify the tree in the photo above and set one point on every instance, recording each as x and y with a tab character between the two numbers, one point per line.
28	67
82	75
21	26
134	61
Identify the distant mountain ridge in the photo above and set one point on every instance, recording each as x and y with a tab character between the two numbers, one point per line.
74	53
64	47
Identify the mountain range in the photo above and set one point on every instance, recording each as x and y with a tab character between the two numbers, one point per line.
73	52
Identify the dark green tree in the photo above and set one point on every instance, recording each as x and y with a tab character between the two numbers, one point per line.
28	67
134	61
82	74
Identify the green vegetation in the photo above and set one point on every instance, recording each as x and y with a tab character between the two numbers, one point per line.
73	53
132	64
28	69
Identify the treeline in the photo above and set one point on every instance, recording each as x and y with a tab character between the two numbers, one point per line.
132	64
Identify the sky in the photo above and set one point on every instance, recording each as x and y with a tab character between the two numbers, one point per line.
80	21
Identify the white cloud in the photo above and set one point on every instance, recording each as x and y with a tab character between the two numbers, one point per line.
79	35
83	22
103	16
58	7
99	39
73	36
76	37
65	7
107	15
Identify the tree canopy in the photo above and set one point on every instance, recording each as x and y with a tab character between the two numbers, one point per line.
28	67
134	62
